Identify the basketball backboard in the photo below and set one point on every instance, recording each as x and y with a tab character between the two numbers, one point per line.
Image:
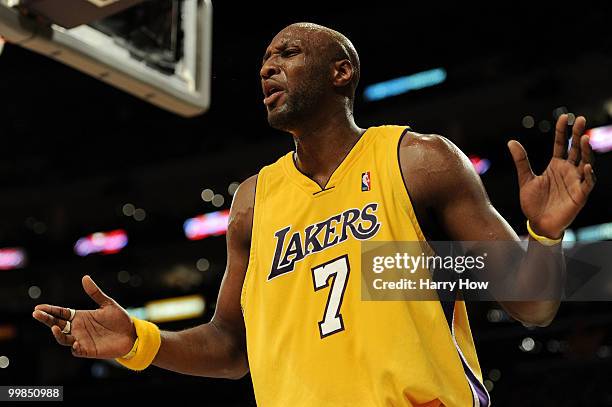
159	50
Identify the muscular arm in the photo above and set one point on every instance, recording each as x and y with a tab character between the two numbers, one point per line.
218	348
451	204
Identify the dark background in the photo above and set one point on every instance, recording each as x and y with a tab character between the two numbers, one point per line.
73	151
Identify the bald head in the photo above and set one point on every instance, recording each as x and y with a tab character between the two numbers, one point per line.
335	45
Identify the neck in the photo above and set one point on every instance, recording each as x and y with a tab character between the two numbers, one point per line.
321	147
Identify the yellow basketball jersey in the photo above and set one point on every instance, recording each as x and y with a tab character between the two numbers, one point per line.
311	340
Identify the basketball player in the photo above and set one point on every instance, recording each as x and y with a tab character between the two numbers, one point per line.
289	309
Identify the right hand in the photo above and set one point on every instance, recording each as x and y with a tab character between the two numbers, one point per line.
104	333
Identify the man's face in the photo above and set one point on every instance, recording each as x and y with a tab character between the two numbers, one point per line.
294	77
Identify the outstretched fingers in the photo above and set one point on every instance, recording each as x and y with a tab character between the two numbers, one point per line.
586	152
48	319
59	312
574	155
95	293
589	180
523	168
584	184
560	137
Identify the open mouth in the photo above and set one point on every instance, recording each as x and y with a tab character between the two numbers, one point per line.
272	96
272	92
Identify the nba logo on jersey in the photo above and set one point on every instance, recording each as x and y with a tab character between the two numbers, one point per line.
365	181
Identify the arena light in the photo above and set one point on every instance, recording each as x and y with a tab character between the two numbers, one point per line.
595	233
600	138
7	332
175	309
210	224
481	165
404	84
101	242
12	258
528	122
171	309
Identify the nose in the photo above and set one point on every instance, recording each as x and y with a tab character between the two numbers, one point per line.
268	69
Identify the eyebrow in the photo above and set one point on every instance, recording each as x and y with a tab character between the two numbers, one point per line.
284	45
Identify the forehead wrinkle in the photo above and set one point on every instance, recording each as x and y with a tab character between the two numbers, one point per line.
285	42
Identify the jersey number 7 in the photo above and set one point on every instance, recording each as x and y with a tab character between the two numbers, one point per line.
339	269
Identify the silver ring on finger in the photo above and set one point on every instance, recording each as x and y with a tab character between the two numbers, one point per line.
72	314
67	328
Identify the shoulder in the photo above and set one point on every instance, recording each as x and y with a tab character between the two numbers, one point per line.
244	197
241	213
247	187
433	166
425	148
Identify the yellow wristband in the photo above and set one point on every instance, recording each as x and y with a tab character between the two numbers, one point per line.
145	348
132	352
543	239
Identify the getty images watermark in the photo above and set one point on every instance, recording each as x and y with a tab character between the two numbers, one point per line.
412	264
485	271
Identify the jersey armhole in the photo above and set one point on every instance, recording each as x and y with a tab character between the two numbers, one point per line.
257	209
399	185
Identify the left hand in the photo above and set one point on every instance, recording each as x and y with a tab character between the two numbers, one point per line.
104	333
552	200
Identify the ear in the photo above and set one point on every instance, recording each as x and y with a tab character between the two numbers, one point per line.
343	72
